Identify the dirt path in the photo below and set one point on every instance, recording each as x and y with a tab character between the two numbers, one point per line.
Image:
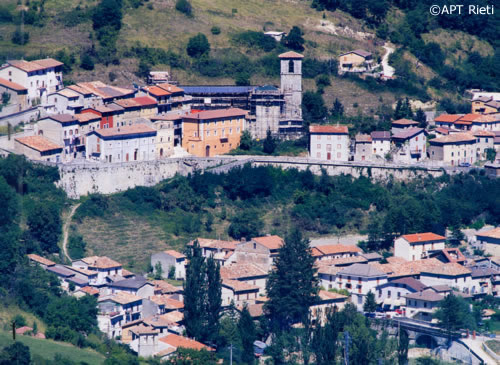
388	70
67	223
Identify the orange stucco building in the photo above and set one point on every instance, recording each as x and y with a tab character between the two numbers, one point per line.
212	132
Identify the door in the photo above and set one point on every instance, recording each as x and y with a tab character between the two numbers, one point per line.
207	151
328	156
126	157
135	155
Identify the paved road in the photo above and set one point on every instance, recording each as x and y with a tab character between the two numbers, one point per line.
477	346
67	223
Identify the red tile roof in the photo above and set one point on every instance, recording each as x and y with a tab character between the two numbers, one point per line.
338	248
12	85
30	66
101	262
448	118
87	117
363	138
271	242
470	117
218	113
492	233
405	122
423	237
89	290
453	138
156	91
290	54
170	88
180	341
449	269
175	254
125	130
145	100
39	143
241	271
341	129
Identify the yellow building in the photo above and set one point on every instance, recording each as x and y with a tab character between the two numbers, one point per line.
485	105
355	61
212	132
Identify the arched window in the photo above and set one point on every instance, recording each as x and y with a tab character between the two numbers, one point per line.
290	66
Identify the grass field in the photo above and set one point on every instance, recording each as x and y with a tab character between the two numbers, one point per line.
7	313
48	349
494	345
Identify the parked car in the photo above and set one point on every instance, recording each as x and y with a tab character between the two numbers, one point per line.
464	164
370	314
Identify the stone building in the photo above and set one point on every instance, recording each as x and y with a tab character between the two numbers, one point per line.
290	124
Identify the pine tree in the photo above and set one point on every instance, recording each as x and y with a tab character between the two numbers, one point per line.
403	343
292	285
325	339
194	292
398	112
421	119
407	109
370	303
246	328
214	300
338	109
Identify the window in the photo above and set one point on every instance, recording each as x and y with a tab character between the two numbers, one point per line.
230	130
328	147
338	155
339	147
329	137
425	304
388	294
291	66
208	133
416	138
318	137
215	132
318	154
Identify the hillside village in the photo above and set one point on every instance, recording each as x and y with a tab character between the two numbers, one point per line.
147	314
95	122
61	124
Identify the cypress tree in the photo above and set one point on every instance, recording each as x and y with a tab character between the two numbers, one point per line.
292	285
269	143
194	292
213	301
246	328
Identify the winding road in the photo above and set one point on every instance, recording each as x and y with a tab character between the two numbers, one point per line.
67	223
388	70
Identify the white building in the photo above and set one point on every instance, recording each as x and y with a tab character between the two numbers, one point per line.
381	143
423	304
238	292
410	145
484	140
168	259
452	274
359	279
489	241
328	142
38	148
392	293
122	144
63	129
116	310
103	265
416	246
40	77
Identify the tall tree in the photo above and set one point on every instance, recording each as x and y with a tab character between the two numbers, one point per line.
292	284
246	328
338	109
269	143
194	290
246	140
45	225
325	339
198	46
454	314
294	39
214	299
421	118
370	303
403	342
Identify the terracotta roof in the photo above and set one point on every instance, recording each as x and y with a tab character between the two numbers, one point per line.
157	91
329	269
101	262
41	260
101	89
164	287
39	143
143	330
483	98
426	295
80	89
174	316
423	237
342	261
125	130
37	65
126	273
470	117
340	129
400	268
481	133
180	341
121	298
239	286
175	254
405	122
167	301
492	233
12	85
87	117
89	290
453	254
494	104
68	93
170	88
448	118
82	271
440	288
442	130
157	321
407	133
217	113
256	310
62	118
291	54
271	242
338	248
241	271
449	269
327	295
483	272
127	103
213	243
363	138
453	138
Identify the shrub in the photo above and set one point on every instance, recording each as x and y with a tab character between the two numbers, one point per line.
87	63
215	30
198	46
252	39
20	38
184	6
5	15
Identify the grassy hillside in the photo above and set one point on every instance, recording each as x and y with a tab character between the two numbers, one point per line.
48	349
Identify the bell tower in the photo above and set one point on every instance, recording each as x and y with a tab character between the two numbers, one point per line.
291	84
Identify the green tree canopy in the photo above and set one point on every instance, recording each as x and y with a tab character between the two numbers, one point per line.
198	46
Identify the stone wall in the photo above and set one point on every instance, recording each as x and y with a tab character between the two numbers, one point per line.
107	178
